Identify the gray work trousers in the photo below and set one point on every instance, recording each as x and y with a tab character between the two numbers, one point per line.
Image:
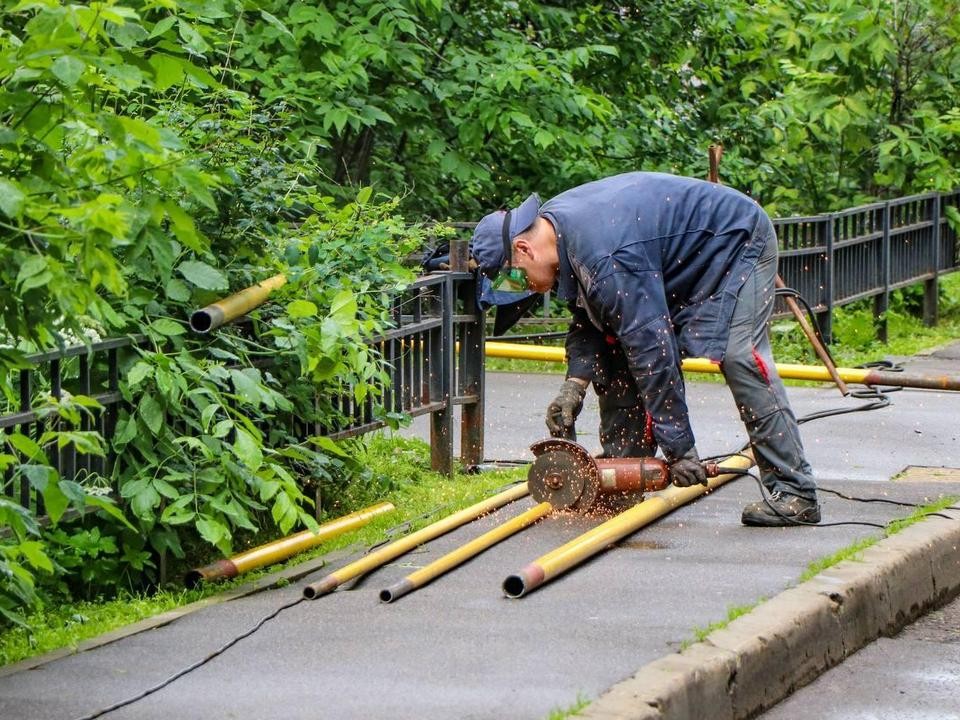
751	375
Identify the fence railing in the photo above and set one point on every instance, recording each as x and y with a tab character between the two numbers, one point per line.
838	258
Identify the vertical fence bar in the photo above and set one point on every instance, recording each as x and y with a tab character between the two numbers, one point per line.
472	367
441	421
826	318
881	301
931	287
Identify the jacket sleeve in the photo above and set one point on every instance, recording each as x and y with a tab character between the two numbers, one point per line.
584	343
633	305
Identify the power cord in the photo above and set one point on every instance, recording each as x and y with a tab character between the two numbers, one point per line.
190	668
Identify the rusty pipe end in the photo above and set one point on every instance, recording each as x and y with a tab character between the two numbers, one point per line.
321	587
396	591
518	585
206	319
219	570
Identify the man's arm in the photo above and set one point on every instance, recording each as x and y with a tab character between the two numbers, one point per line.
634	306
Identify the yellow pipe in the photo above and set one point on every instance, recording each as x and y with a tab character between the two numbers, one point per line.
421	577
223	311
862	376
395	549
558	561
281	549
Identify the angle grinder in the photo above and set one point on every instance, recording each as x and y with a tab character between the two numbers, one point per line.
565	475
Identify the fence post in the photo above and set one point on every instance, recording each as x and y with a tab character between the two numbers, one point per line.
441	381
881	302
826	318
472	369
931	287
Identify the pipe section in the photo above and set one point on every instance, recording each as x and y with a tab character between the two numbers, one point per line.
558	561
397	548
421	577
861	376
281	549
230	308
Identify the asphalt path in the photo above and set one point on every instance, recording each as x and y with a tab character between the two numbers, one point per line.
458	648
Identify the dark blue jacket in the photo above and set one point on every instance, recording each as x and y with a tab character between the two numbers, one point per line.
655	261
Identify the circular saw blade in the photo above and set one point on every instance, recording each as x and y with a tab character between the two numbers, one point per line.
557	478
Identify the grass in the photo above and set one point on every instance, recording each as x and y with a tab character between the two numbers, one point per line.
851	552
399	467
570	711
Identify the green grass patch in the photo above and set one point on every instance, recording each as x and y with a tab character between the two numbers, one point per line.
733	612
570	711
398	472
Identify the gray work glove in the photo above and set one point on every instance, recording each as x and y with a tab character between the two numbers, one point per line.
563	411
687	470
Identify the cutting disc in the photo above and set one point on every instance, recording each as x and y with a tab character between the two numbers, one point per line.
562	475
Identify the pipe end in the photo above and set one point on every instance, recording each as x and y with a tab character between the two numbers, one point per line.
320	588
518	585
219	570
396	591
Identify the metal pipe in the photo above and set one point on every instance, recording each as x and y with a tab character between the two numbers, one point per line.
397	548
421	577
861	376
230	308
558	561
281	549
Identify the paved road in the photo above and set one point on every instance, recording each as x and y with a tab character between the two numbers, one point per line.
457	648
913	676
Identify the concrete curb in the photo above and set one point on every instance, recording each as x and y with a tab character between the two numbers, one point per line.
784	643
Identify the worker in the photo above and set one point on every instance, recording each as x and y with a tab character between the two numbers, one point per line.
657	267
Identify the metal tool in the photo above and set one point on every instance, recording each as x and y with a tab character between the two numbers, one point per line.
569	478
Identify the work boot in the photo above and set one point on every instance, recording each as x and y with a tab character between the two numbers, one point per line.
781	509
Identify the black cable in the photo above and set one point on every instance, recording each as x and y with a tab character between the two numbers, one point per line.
190	668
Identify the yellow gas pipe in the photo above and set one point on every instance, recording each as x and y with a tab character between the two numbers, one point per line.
395	549
438	567
230	308
281	549
558	561
862	376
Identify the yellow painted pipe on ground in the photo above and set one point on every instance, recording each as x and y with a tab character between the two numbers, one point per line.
861	376
558	561
421	577
230	308
274	552
395	549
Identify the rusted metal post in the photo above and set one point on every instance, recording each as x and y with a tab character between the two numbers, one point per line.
441	382
931	287
472	359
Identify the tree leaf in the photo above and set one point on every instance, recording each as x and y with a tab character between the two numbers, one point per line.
11	198
302	309
151	412
68	69
168	327
247	450
202	275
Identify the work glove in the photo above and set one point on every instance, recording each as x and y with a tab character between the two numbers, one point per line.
563	411
687	470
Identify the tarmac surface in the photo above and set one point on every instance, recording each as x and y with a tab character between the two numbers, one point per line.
458	648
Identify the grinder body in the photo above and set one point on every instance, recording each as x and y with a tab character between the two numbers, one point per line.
569	478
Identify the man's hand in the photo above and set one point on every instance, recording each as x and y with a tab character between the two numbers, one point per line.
563	411
687	470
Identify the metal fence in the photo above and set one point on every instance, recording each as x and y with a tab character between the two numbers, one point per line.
838	258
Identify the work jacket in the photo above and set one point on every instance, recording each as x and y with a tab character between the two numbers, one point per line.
655	263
